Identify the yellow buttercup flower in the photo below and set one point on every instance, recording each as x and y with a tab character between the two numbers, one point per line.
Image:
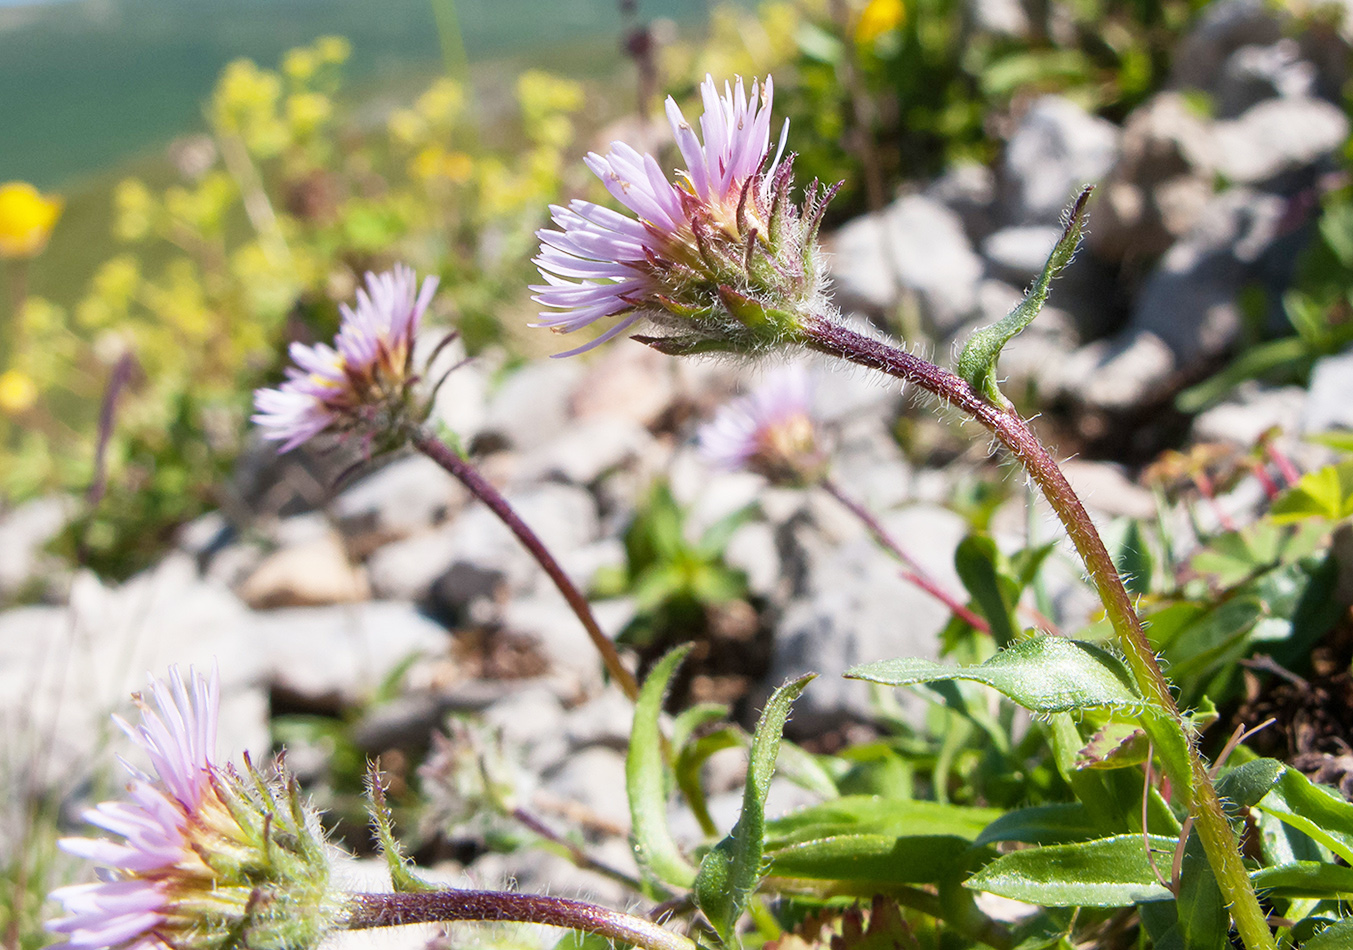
17	392
26	219
879	17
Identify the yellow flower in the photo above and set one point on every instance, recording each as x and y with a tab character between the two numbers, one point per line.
26	219
879	17
17	392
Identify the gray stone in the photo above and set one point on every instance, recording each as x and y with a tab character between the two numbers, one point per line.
575	666
1255	73
1277	137
1223	28
1057	148
408	495
1189	301
852	606
1160	184
338	655
24	532
593	777
869	466
306	574
532	720
916	246
585	451
604	720
969	190
461	401
531	406
1249	411
407	569
751	549
1018	254
1329	404
564	518
1115	375
64	669
999	17
841	393
1106	490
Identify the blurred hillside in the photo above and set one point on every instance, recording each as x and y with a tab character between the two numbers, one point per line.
88	84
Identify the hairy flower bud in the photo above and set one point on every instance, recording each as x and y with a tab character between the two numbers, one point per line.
721	260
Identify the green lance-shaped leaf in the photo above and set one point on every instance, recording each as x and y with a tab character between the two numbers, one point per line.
1315	879
1109	872
1318	811
871	859
977	362
1046	675
646	781
732	870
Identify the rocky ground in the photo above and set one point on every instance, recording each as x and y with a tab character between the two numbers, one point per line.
314	602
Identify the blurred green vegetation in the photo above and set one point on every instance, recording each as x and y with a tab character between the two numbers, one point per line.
164	300
272	220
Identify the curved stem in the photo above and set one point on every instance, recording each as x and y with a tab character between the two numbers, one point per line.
437	450
392	910
1010	429
913	571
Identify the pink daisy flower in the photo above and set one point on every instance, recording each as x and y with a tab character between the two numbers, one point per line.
770	430
197	853
720	240
361	383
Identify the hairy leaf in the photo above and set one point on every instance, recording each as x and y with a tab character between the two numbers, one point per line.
870	858
977	362
645	781
1314	809
733	869
1045	674
1109	872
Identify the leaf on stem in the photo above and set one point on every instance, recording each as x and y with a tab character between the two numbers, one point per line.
1109	872
1320	812
977	362
733	869
402	878
646	781
1046	675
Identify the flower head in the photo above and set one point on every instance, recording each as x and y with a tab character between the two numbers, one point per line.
27	218
720	258
363	383
770	431
207	858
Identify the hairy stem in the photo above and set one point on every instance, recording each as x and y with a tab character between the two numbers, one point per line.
1010	429
392	910
437	450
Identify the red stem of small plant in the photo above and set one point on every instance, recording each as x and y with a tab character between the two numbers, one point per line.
393	910
437	450
913	571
